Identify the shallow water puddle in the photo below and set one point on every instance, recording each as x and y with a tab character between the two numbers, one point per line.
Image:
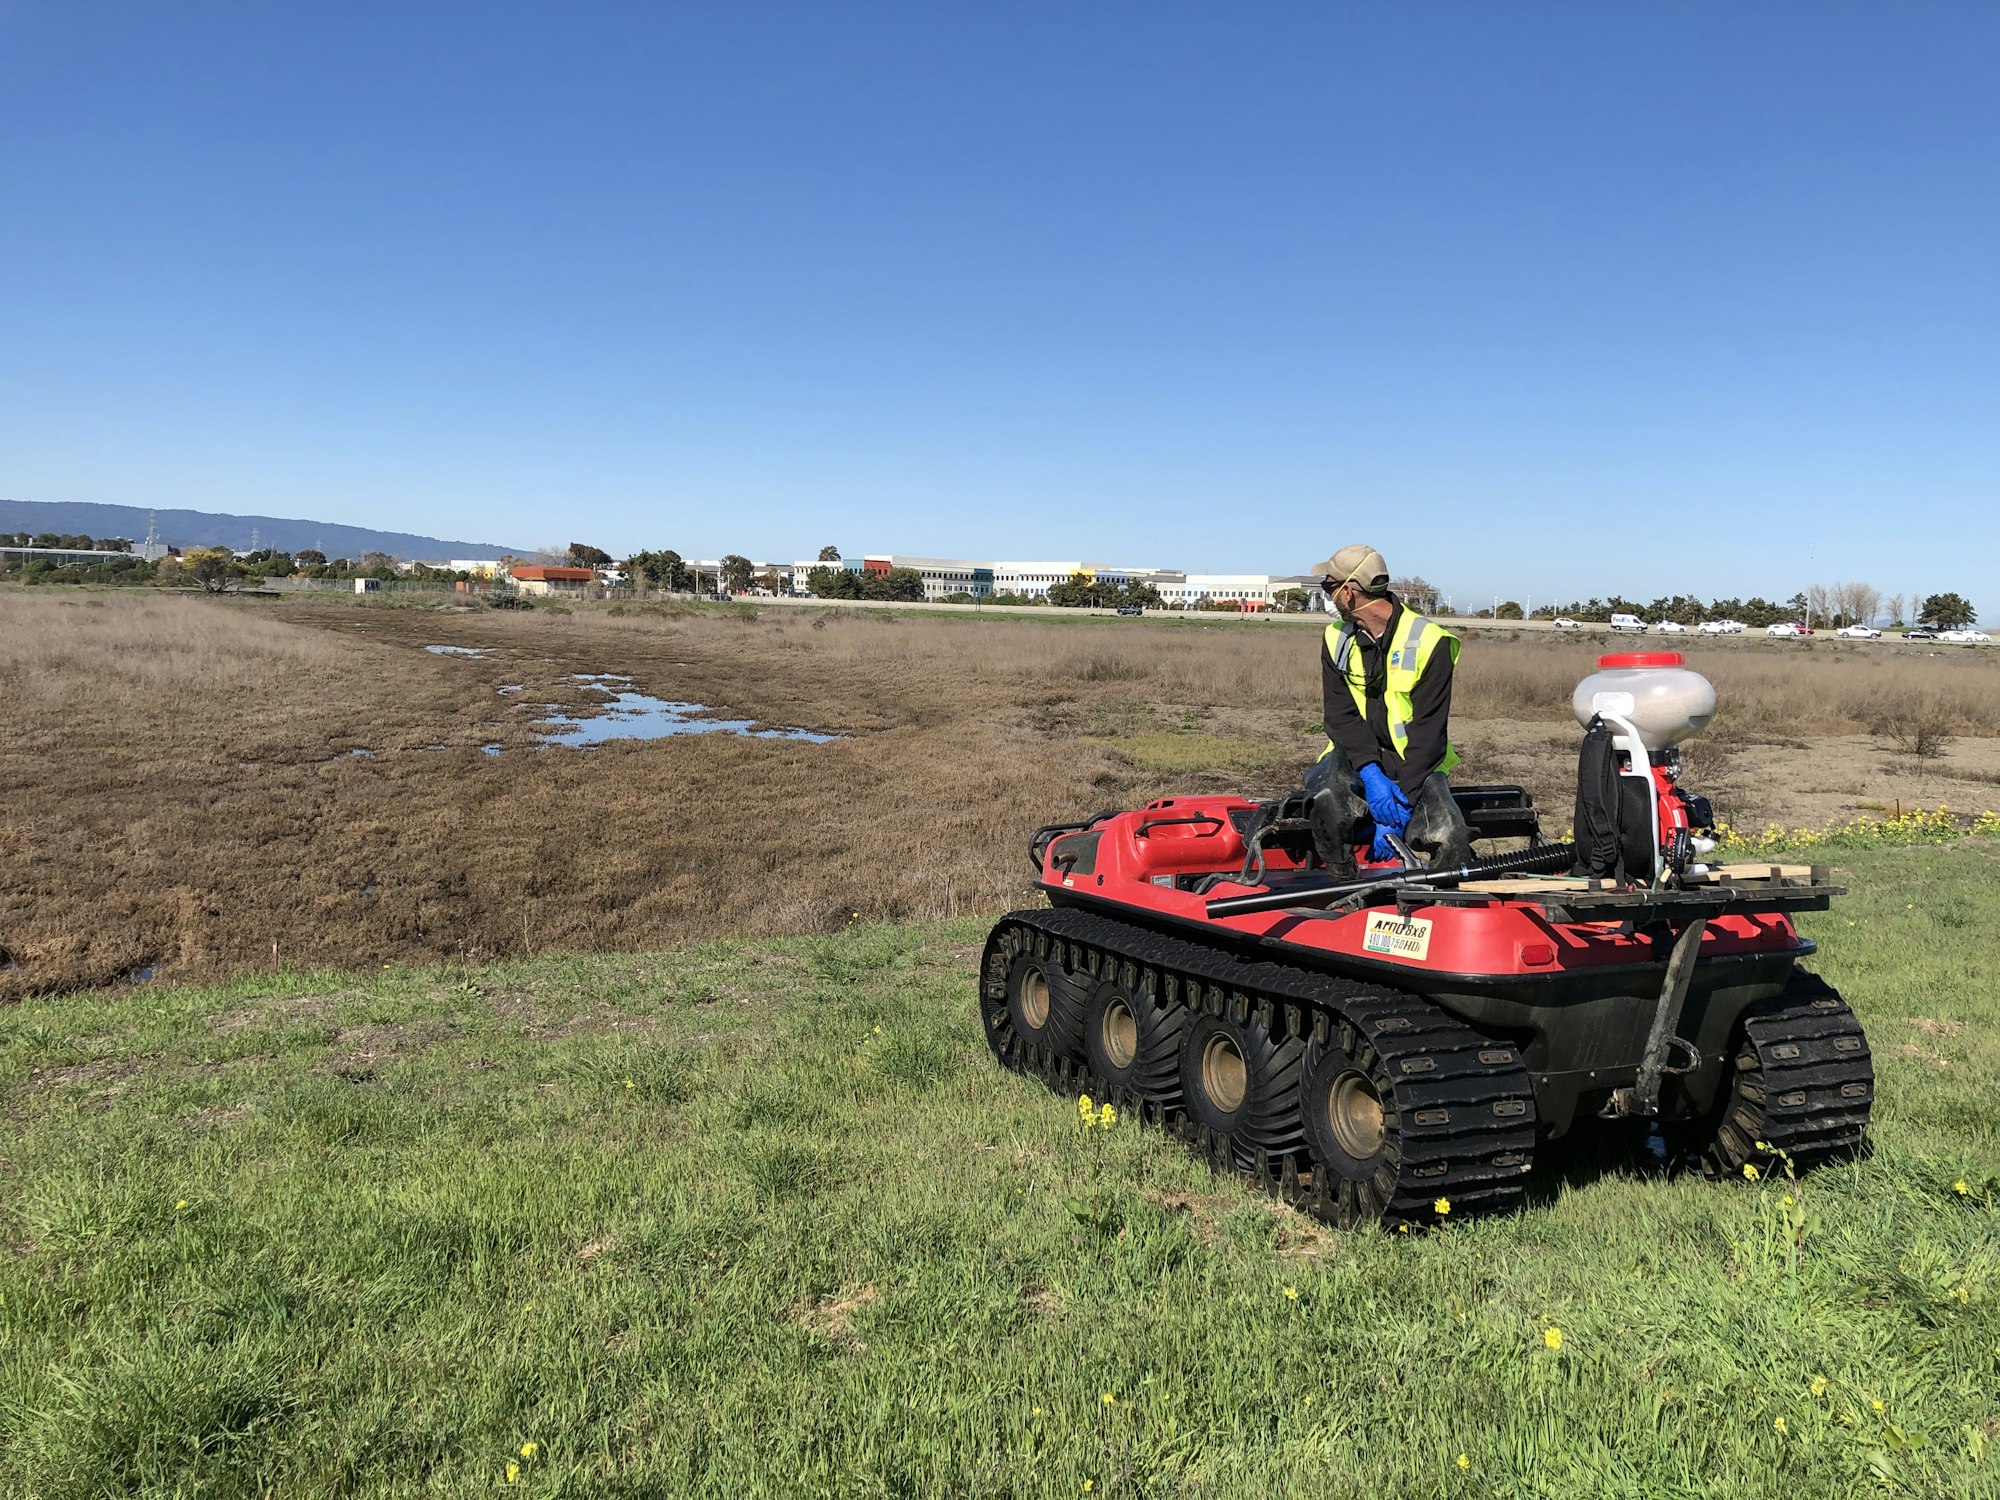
630	715
626	715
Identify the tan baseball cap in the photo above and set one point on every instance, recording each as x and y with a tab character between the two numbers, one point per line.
1360	565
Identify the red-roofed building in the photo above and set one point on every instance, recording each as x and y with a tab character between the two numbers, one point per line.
533	578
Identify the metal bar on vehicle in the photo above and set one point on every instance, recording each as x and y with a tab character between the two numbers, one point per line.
1527	861
1151	823
1645	1094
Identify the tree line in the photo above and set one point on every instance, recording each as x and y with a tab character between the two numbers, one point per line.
1834	605
64	542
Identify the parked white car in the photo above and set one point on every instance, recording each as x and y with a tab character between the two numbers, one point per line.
1721	627
1628	622
1671	627
1966	637
1786	627
1859	633
1564	622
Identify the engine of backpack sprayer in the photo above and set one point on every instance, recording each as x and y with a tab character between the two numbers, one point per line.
1634	821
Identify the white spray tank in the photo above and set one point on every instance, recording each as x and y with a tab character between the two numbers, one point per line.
1652	701
1652	695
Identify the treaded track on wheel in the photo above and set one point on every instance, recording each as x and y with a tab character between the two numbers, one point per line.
1469	1132
1804	1080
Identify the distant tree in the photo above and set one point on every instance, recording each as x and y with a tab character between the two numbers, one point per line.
833	583
898	585
1949	610
583	555
829	554
375	562
660	570
1078	591
1293	601
1892	609
48	539
1509	609
1856	603
1419	595
214	569
309	557
1798	606
736	571
114	544
1148	597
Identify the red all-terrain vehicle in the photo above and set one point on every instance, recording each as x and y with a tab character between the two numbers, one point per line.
1377	1046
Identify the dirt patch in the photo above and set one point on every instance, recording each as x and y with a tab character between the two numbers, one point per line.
833	1318
104	1074
1044	1302
1930	1027
604	1244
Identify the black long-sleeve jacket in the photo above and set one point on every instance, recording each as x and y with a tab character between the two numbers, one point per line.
1367	741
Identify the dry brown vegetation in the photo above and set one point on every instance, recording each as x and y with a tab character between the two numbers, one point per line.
179	790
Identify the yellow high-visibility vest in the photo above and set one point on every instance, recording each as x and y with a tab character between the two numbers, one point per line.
1410	651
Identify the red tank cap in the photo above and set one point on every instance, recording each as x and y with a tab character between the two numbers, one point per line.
1643	659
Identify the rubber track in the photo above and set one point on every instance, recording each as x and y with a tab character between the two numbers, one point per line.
1470	1137
1805	1080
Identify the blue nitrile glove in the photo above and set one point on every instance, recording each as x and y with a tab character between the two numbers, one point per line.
1380	851
1386	802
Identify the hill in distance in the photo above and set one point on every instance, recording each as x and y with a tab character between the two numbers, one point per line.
201	528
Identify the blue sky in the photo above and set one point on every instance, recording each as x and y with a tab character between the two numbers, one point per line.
1540	299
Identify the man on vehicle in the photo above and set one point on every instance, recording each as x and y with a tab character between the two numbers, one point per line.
1385	675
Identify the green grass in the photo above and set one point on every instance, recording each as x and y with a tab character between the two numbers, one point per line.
764	1218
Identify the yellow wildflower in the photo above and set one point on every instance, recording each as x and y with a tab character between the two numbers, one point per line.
1464	1461
1108	1399
1402	1229
513	1471
1819	1385
1036	1412
1085	1108
529	1450
1442	1206
1961	1187
1877	1407
1779	1423
1750	1171
1089	1485
180	1205
1107	1116
1787	1201
630	1084
1291	1294
1553	1337
1964	1294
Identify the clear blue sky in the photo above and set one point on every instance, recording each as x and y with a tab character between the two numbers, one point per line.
1539	298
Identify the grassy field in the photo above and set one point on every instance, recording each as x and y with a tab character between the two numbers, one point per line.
763	1218
198	787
